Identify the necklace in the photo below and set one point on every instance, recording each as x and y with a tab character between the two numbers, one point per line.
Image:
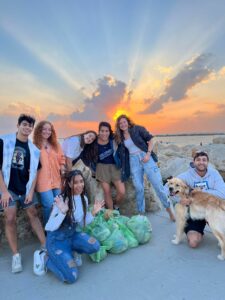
46	146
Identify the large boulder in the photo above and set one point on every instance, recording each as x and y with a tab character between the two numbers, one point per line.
174	160
24	230
128	207
219	140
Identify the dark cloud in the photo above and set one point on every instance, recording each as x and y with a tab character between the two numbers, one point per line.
192	73
108	94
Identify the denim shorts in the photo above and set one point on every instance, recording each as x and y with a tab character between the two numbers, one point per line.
18	200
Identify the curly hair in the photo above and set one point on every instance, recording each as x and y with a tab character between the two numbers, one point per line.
118	132
37	138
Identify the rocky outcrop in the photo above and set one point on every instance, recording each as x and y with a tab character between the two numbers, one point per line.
128	207
219	140
174	160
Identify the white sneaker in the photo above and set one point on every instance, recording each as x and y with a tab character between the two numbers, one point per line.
16	263
39	262
78	259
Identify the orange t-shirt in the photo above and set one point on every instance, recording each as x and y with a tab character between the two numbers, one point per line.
48	177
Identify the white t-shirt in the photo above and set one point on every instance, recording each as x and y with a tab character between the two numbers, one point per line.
71	147
56	217
132	148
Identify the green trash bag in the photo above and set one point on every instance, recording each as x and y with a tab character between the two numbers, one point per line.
141	228
121	220
116	242
129	236
100	255
98	228
100	231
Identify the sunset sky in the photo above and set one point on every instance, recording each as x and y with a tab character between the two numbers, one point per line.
78	62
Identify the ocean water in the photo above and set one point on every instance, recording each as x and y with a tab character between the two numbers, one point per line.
183	140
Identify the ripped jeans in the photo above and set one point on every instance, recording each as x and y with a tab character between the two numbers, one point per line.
60	246
150	168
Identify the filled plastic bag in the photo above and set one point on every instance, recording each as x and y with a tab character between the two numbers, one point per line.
116	242
129	236
99	228
121	220
141	228
100	255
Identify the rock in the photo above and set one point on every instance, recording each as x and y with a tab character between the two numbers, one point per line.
174	160
174	166
128	207
24	231
219	140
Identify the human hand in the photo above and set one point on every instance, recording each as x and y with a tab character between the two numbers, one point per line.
63	206
98	205
147	157
28	198
5	198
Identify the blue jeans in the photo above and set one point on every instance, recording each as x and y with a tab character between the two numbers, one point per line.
150	168
19	199
60	246
47	199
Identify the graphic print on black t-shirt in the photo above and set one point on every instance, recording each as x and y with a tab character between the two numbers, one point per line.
18	158
19	174
105	154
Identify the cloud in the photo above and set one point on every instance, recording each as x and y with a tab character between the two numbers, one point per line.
108	95
194	72
163	70
9	115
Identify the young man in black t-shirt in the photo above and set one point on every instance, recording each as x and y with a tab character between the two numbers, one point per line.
19	163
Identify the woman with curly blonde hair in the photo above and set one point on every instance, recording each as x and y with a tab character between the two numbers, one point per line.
52	161
142	160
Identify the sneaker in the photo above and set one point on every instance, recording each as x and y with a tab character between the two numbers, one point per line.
16	263
39	262
78	259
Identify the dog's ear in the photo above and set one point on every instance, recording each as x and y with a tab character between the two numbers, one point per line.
169	178
186	189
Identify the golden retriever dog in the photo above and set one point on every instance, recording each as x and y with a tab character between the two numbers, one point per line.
202	206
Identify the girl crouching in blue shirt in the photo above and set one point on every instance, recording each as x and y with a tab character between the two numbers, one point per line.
69	211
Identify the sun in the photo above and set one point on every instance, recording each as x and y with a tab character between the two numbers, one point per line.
120	112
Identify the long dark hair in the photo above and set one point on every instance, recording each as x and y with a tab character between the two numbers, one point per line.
82	143
68	192
118	132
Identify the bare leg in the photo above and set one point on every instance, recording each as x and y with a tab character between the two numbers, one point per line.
36	224
194	238
180	223
107	193
120	191
10	228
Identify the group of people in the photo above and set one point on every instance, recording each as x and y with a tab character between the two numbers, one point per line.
45	166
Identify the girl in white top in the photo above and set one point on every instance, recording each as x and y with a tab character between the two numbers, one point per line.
69	210
74	145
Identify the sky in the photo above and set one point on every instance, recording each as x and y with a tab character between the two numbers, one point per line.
79	62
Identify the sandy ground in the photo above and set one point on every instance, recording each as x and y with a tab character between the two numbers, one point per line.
157	270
